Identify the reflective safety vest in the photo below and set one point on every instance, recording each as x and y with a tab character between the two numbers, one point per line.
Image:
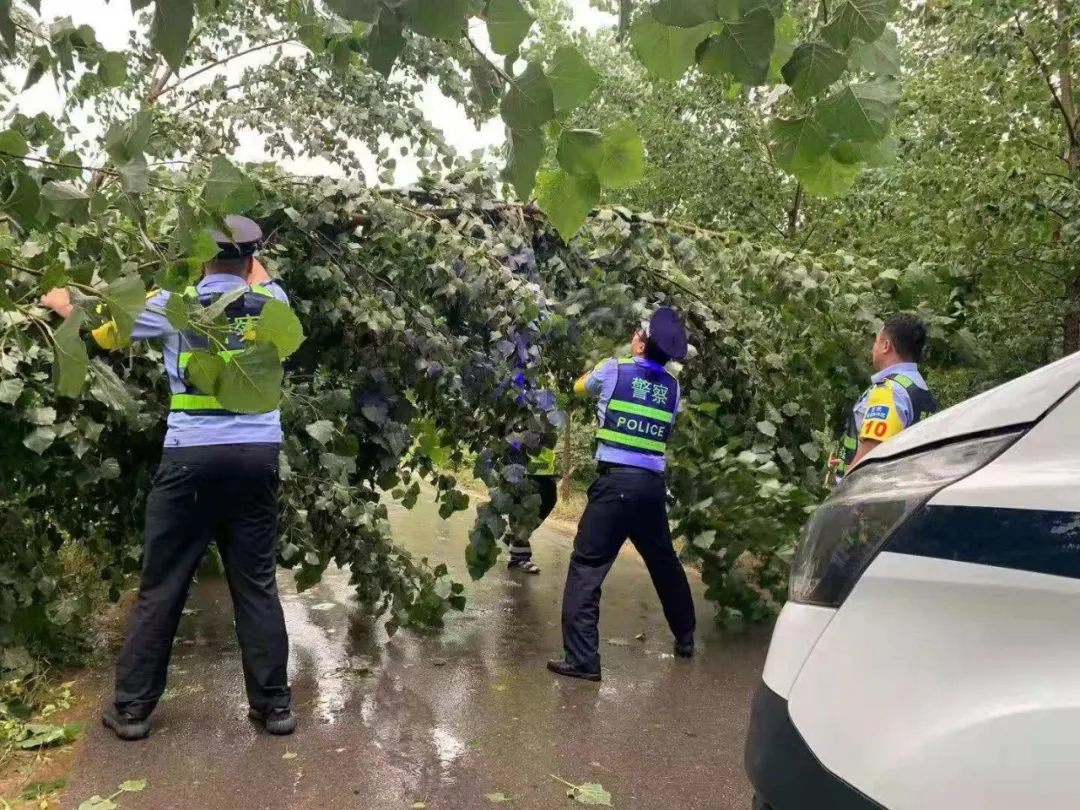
923	405
241	315
641	412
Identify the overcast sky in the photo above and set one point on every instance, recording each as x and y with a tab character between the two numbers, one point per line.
113	22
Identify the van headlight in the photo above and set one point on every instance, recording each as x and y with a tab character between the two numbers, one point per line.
846	531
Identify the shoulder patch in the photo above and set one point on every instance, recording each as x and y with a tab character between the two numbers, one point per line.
878	412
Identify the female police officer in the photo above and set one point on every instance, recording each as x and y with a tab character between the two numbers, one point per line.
638	401
218	478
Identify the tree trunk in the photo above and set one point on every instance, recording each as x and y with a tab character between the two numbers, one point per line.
1071	330
568	467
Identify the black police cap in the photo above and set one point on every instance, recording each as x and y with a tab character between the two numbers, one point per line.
666	332
243	239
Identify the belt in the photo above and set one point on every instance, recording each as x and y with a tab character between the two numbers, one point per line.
607	468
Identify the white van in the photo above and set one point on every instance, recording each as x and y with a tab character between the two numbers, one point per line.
929	656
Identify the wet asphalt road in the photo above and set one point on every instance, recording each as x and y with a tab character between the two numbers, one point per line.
446	719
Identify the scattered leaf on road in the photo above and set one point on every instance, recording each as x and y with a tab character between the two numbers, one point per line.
498	798
289	754
589	793
618	642
640	637
438	662
133	785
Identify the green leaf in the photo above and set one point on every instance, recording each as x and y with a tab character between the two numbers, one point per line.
768	428
98	803
322	431
129	139
882	56
581	151
508	23
41	735
567	199
362	10
487	84
827	177
810	450
40	439
797	143
24	203
572	78
112	69
685	13
812	68
171	29
66	202
786	35
742	50
228	190
441	19
251	381
858	19
498	798
530	102
279	325
385	43
133	786
591	793
871	154
126	299
13	143
204	370
109	389
527	149
71	362
859	112
10	391
7	25
176	312
42	61
666	50
135	175
623	162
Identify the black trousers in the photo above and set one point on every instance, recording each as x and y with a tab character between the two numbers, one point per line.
623	502
227	492
520	549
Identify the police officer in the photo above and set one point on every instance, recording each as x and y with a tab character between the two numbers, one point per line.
541	467
218	478
898	396
638	401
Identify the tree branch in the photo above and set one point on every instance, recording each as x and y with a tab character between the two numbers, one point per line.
506	77
222	61
793	214
1049	81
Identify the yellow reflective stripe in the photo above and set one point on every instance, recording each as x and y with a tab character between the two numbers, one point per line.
623	406
630	441
195	402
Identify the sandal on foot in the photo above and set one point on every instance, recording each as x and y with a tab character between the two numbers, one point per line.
528	566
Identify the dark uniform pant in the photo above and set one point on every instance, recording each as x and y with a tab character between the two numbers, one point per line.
520	548
227	492
623	502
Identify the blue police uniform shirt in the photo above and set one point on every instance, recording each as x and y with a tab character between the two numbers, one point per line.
203	430
600	383
901	397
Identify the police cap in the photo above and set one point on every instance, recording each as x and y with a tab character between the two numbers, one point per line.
666	332
242	239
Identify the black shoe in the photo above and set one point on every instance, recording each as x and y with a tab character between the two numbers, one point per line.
684	650
275	721
124	725
570	671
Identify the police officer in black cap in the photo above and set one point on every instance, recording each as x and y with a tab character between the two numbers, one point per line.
638	400
218	478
